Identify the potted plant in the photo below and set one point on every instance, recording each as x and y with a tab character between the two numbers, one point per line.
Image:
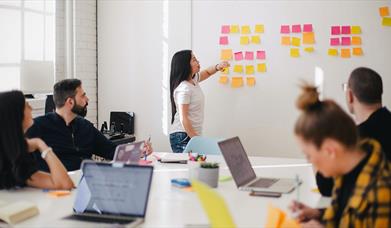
208	173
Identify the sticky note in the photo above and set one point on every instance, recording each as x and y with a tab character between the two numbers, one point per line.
345	30
345	41
275	217
333	52
345	53
249	55
245	29
244	40
225	70
236	82
223	79
384	11
334	41
296	41
335	30
356	29
59	193
255	40
249	69
214	206
357	51
296	28
250	81
226	54
285	29
224	40
295	52
285	40
307	28
261	55
356	40
259	28
261	67
225	29
308	38
234	29
386	21
290	223
238	56
309	49
238	68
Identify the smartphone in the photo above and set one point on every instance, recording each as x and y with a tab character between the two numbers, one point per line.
265	194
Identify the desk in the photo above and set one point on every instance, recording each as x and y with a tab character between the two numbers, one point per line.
172	207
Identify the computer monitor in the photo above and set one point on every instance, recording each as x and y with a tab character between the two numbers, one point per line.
123	122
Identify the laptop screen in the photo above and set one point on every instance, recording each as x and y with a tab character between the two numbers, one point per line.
129	153
237	160
113	189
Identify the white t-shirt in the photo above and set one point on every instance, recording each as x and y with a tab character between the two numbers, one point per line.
187	93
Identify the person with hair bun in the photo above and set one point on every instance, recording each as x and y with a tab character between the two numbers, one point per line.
329	139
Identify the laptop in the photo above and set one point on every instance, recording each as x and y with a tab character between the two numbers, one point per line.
113	193
243	174
129	153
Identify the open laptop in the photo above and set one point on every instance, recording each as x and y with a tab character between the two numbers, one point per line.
238	163
129	153
113	193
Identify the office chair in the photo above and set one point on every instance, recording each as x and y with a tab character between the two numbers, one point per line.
49	104
203	145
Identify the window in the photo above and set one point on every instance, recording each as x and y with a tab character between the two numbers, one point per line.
27	34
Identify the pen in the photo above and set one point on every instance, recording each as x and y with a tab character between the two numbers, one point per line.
148	141
298	188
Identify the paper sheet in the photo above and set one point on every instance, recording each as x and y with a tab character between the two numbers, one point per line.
384	11
238	56
250	81
335	30
234	29
333	52
238	68
285	40
345	30
296	28
357	51
224	40
246	29
226	54
296	41
244	40
345	53
386	21
255	40
356	29
356	40
236	82
345	41
225	29
249	69
295	52
261	55
261	67
249	55
223	79
285	29
334	41
259	28
308	38
307	28
309	49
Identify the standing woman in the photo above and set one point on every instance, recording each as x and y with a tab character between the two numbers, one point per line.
17	168
187	98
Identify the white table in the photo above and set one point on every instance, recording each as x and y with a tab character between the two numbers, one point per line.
172	207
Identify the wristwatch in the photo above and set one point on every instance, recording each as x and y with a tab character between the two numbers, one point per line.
45	152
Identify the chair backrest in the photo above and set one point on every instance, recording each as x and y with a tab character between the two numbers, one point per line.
203	145
49	104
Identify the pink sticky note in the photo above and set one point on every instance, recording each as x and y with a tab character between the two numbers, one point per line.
345	41
346	30
261	55
335	30
223	40
334	41
249	55
307	28
296	28
225	29
285	29
238	56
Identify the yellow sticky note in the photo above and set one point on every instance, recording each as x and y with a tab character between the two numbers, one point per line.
309	49
384	11
386	21
308	38
285	40
333	52
249	69
357	51
225	70
246	29
214	206
223	79
345	53
250	81
296	41
295	52
261	67
255	39
226	54
356	40
234	29
238	68
356	30
259	28
236	82
244	40
290	223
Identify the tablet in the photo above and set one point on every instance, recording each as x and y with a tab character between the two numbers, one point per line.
129	153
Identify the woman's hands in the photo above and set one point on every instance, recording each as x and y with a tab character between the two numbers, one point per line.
304	212
222	65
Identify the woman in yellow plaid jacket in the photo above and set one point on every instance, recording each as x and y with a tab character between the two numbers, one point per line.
329	139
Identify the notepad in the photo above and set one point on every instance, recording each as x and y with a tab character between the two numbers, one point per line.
15	212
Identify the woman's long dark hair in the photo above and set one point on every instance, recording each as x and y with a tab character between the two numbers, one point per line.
180	71
12	141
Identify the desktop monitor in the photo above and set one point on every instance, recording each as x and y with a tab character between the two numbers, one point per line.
123	122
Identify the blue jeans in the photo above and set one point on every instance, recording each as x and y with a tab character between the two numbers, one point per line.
178	141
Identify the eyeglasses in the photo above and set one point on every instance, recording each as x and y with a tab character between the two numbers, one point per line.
344	86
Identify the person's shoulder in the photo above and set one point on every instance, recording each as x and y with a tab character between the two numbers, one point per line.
45	118
83	121
183	86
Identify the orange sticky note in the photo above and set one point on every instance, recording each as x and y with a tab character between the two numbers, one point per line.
249	69
289	223
296	41
234	29
244	40
356	29
357	51
261	67
255	40
223	79
236	82
59	193
356	40
238	68
309	49
250	81
295	52
333	52
384	11
386	21
275	217
226	54
308	38
259	28
246	29
345	53
285	40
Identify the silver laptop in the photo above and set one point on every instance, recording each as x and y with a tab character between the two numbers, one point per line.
113	193
238	163
129	153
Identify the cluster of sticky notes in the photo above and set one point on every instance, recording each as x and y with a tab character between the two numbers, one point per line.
245	34
276	218
385	15
290	36
345	37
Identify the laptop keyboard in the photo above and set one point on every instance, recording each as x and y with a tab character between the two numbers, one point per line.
263	183
101	219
